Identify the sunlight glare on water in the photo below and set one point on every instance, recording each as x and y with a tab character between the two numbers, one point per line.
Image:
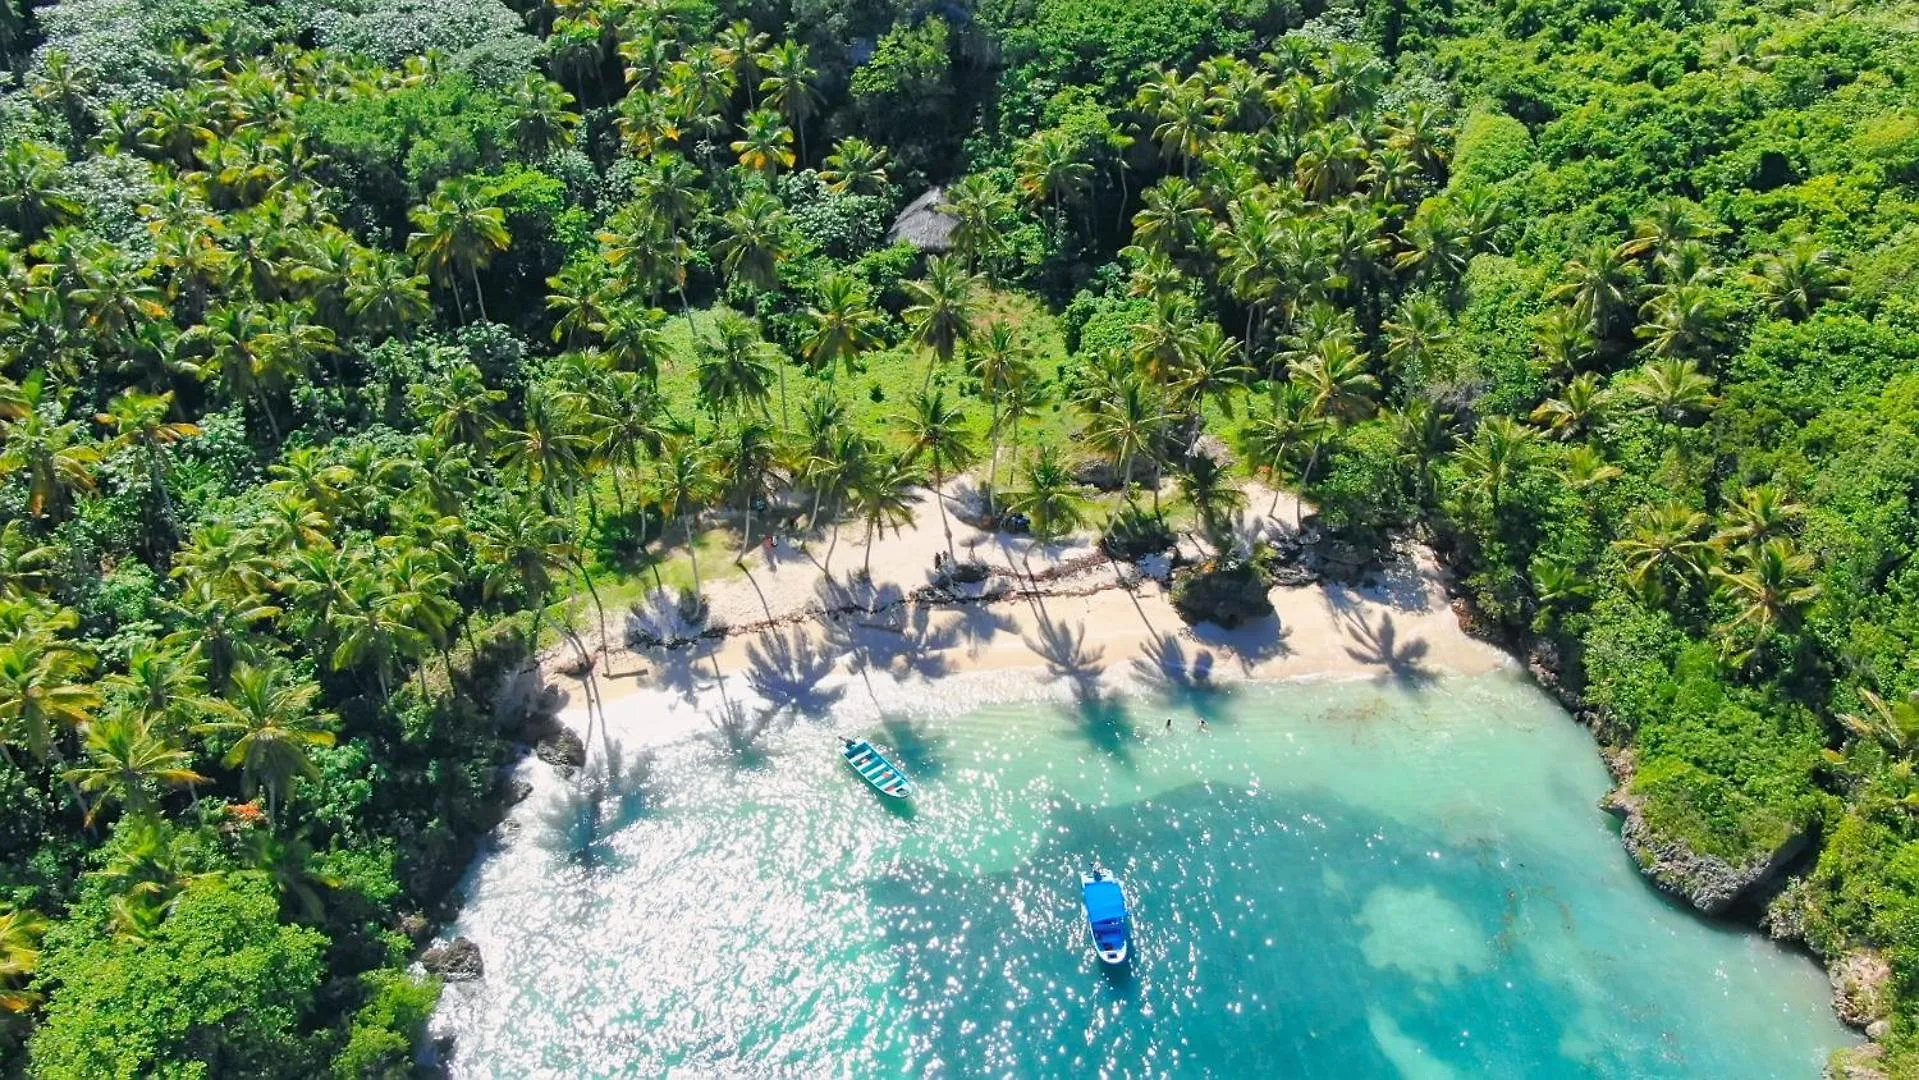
1347	879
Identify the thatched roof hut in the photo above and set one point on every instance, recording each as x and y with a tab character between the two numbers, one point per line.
923	225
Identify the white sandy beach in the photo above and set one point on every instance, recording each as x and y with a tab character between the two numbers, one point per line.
1058	619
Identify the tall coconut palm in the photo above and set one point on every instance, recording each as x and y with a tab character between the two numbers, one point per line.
459	408
941	316
790	87
936	434
1051	169
1000	360
139	422
1576	411
1761	513
1126	422
737	368
1799	279
745	459
1599	287
549	451
684	483
755	241
460	230
883	495
1206	487
1050	500
50	454
274	716
979	210
43	692
1499	454
20	932
843	325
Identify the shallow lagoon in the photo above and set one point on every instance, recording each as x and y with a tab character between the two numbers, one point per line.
1358	879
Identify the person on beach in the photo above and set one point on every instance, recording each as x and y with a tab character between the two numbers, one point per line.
1169	723
1202	723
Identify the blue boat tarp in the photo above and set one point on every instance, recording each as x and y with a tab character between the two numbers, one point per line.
1105	904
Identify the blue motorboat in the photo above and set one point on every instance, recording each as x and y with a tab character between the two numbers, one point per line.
885	777
1106	915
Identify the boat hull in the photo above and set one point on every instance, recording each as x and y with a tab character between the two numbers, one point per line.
1108	922
873	767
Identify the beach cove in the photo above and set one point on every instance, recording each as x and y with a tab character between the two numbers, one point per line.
1379	854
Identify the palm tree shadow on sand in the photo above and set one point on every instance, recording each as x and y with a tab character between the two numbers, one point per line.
1181	678
1378	645
614	791
1102	718
786	668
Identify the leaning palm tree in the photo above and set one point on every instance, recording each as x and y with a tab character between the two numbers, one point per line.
126	760
936	433
272	711
1050	500
883	496
941	316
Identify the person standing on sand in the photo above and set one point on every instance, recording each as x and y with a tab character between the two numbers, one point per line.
1169	723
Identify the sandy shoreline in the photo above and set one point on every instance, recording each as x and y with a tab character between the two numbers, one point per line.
1059	620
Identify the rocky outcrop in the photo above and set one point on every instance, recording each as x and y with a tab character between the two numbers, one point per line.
455	961
1858	1063
1225	593
517	791
1707	882
562	749
1861	988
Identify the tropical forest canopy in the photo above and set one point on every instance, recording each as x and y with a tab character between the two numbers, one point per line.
341	341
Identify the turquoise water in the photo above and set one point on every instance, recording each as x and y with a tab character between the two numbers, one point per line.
1354	880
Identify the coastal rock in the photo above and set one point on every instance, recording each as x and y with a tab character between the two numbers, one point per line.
1858	1063
415	926
562	750
1292	575
1707	882
456	961
1221	592
1861	981
517	792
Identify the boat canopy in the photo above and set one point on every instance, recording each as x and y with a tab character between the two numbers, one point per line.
1105	905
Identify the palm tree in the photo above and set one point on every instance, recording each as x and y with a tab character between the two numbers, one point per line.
1336	374
42	692
883	495
1576	411
1212	371
1271	437
1799	279
1772	585
978	208
1662	551
844	324
460	230
1892	724
56	464
764	145
941	316
1204	484
1125	421
755	241
1599	286
855	166
1682	319
544	119
737	368
459	409
1761	513
384	295
524	548
789	87
936	432
1423	435
1050	168
139	421
1050	500
683	484
1671	390
1499	455
745	460
125	760
20	932
1000	362
278	726
1564	342
1415	333
549	451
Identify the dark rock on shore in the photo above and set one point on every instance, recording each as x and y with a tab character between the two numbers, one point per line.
562	750
1221	592
517	792
456	961
1707	882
